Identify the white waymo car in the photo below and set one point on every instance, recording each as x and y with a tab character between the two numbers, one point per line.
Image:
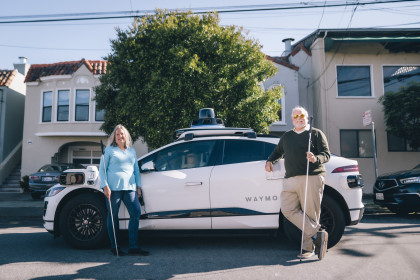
209	178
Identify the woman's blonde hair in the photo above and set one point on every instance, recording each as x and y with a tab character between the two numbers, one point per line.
111	138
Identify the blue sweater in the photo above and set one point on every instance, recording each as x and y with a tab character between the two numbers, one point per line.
122	170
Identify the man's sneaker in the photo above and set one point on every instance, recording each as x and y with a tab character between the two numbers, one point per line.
306	254
321	243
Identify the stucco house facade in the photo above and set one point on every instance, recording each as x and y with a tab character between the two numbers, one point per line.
12	106
62	123
350	70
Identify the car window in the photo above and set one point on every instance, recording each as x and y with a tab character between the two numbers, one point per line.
49	168
185	155
237	151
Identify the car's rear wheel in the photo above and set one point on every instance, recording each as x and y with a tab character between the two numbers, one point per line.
83	221
332	219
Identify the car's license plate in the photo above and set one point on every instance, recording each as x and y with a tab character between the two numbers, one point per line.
379	196
47	179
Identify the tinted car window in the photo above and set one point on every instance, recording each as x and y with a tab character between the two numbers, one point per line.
237	151
185	155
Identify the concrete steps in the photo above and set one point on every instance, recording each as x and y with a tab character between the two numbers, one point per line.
11	184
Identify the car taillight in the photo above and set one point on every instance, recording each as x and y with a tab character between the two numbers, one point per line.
34	177
348	168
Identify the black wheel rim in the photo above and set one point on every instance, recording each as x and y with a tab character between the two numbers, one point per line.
327	219
85	222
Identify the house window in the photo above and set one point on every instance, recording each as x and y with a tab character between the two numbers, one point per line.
398	144
281	111
63	105
397	76
356	143
82	105
353	81
46	106
99	114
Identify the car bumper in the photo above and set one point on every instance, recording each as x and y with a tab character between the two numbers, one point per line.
356	215
35	188
404	197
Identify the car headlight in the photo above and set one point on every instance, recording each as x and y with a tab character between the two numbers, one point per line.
54	190
411	180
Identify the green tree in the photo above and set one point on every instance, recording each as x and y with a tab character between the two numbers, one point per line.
402	114
167	66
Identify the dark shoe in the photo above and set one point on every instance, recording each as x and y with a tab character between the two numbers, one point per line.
321	243
138	251
120	252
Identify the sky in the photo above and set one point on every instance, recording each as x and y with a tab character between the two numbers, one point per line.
52	42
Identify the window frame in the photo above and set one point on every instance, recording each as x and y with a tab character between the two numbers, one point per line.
43	107
372	94
76	106
394	65
358	142
58	105
405	144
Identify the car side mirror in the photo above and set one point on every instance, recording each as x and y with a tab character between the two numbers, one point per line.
147	167
72	178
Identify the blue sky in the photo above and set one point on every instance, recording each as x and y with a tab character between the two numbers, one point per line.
74	40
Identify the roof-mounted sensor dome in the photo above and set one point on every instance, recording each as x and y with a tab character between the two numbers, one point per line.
206	117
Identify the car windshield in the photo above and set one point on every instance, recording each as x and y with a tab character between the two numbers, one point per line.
49	168
417	166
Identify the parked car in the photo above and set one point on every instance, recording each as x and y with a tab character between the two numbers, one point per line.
46	177
399	191
208	179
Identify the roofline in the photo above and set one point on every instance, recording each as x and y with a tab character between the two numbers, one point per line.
347	32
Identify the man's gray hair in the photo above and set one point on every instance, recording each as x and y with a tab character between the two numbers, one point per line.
128	141
303	110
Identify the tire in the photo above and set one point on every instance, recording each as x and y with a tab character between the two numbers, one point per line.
83	221
332	219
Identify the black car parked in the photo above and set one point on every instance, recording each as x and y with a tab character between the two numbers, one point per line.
47	176
399	191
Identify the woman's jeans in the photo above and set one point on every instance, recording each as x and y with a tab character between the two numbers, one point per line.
131	201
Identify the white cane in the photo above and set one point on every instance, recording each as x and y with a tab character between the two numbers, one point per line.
306	186
109	201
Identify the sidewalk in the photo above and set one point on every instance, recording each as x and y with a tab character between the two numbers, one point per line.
22	205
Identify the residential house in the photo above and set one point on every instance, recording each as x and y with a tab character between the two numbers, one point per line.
350	70
12	106
62	122
293	74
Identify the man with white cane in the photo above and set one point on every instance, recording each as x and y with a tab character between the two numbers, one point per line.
305	150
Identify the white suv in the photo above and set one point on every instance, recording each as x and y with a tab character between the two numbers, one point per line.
208	179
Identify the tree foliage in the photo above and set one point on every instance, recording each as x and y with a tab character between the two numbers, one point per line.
167	66
402	114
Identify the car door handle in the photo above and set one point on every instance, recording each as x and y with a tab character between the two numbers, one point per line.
190	184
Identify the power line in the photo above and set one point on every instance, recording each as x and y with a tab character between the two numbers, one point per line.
220	10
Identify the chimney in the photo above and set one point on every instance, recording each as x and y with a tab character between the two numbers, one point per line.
22	66
287	46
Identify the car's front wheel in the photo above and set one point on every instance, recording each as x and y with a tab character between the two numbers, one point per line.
332	219
83	221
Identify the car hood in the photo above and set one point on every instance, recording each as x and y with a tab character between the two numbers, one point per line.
401	174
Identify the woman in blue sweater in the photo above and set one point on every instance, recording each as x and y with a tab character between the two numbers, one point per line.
121	182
